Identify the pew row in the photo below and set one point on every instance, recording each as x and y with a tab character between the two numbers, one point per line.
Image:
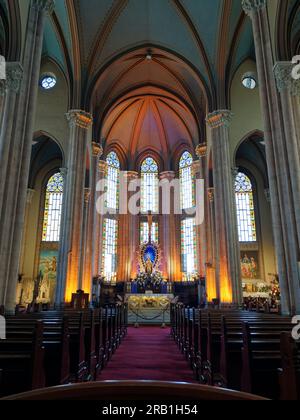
232	349
73	346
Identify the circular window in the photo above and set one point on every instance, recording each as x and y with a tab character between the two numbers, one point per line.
48	81
249	81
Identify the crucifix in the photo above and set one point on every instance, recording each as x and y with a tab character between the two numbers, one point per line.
150	222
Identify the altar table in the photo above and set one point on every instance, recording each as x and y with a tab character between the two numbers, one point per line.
149	309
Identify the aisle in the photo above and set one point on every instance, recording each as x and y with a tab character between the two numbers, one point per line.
148	353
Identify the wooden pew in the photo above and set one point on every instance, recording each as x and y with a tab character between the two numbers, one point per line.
214	346
232	343
22	362
77	344
142	391
261	361
289	374
56	343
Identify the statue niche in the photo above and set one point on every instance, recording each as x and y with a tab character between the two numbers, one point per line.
149	278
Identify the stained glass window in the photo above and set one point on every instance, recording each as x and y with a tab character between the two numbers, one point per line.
144	229
188	245
53	208
113	174
245	208
110	243
149	186
186	181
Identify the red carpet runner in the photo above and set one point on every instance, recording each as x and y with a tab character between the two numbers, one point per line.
148	353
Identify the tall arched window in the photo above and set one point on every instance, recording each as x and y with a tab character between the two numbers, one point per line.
149	186
113	173
188	228
110	243
245	208
187	195
188	246
53	208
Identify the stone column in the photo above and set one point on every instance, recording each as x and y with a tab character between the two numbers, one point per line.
167	226
289	90
10	90
85	279
101	170
18	163
71	246
227	245
30	195
92	241
283	187
2	98
213	291
128	236
199	173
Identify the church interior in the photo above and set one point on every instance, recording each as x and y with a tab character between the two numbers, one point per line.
150	200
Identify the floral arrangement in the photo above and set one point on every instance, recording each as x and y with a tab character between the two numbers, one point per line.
155	280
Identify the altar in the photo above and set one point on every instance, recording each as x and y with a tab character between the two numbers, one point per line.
149	298
149	309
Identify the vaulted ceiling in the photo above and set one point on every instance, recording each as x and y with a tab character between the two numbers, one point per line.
151	64
150	119
197	31
213	36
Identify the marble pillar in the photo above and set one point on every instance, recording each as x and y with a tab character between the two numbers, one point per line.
70	267
213	290
281	142
18	162
30	195
289	90
167	227
228	269
9	92
92	237
199	169
85	279
128	242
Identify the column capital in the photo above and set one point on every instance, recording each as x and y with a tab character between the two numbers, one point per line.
97	150
131	175
44	5
219	118
14	76
284	80
252	6
201	150
79	118
167	176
